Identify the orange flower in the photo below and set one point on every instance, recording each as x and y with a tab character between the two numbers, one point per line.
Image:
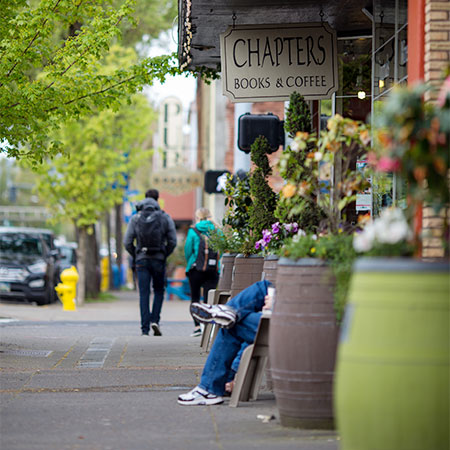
365	137
439	165
420	172
288	190
384	138
350	128
310	155
302	135
304	187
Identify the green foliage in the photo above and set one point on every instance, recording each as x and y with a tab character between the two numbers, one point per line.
46	80
337	250
103	297
264	200
226	241
298	115
327	177
104	147
238	201
412	139
293	169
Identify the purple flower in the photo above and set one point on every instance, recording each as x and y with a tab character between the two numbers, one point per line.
267	236
276	227
260	244
295	227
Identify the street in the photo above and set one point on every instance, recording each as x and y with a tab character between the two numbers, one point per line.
88	380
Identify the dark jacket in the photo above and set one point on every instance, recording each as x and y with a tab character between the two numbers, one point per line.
169	232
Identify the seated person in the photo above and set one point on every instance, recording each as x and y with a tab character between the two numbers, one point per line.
239	319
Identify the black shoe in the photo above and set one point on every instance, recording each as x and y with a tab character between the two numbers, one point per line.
144	333
156	329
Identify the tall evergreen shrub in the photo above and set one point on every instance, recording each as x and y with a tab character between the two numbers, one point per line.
264	199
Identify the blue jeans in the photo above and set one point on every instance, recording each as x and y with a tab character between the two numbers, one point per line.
224	357
148	270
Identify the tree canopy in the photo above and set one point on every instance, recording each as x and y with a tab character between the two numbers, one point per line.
47	78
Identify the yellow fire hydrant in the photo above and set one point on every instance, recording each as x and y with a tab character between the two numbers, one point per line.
67	289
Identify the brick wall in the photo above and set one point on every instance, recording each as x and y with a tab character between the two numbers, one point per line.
437	41
437	57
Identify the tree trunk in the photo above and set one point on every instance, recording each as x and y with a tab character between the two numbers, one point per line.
108	245
81	286
92	265
119	239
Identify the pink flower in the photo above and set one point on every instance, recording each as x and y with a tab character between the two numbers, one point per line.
444	92
386	164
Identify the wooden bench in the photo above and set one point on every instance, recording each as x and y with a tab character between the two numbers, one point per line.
215	297
252	365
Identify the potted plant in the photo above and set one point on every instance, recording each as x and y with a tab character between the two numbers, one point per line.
231	239
392	373
293	169
313	272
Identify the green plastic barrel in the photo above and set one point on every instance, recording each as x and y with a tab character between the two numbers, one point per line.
392	376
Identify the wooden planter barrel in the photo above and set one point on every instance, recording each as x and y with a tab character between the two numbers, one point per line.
270	266
226	271
392	374
302	343
246	271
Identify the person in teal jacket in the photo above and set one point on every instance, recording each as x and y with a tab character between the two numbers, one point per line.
197	278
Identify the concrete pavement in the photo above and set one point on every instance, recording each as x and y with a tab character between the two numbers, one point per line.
87	379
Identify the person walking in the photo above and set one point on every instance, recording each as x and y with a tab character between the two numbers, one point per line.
154	232
201	261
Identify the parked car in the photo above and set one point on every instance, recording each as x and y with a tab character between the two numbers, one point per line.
28	266
67	254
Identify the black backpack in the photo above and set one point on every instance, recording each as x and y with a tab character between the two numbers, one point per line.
207	258
150	232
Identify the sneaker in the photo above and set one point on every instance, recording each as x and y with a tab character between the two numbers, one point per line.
222	315
144	333
199	396
197	332
156	329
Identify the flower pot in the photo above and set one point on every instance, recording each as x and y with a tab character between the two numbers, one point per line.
226	271
302	343
246	271
270	266
392	376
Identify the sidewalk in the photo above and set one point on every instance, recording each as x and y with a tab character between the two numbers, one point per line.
140	380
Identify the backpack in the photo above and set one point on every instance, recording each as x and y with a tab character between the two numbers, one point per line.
207	258
150	232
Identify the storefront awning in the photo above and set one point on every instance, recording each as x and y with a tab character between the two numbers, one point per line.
200	22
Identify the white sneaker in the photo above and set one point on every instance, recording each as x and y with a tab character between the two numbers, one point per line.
222	315
199	396
197	332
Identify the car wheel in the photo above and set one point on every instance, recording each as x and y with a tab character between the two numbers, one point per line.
49	296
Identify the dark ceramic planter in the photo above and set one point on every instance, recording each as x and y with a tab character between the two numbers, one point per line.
270	269
302	343
226	271
246	271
